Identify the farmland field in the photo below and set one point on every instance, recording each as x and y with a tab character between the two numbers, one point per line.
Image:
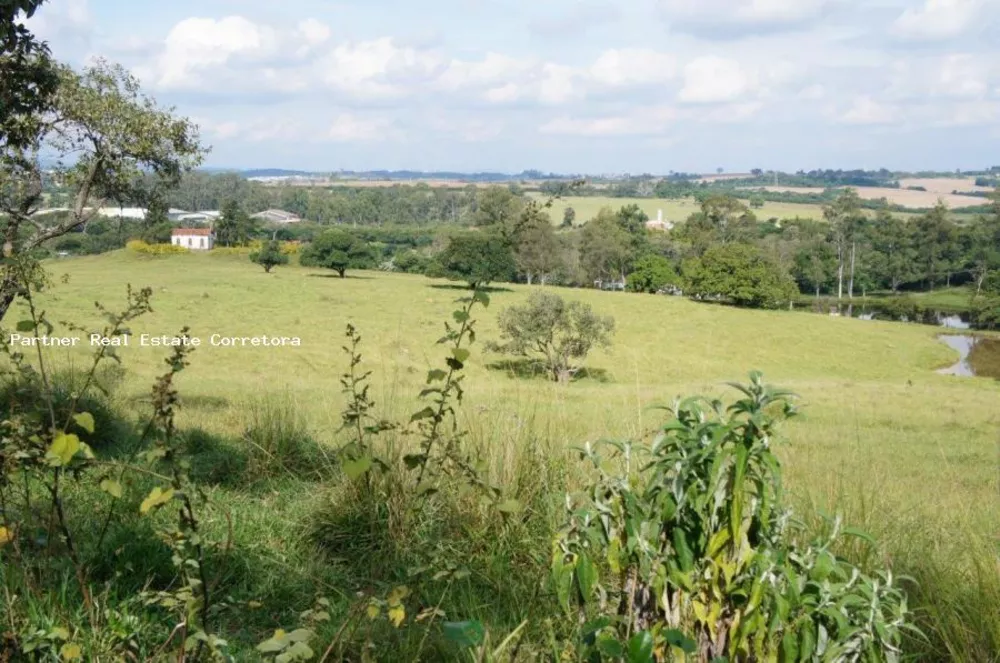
673	210
904	197
904	452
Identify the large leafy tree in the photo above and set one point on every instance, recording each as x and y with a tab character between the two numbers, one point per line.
936	243
742	275
338	250
478	259
606	249
99	137
537	250
652	274
893	253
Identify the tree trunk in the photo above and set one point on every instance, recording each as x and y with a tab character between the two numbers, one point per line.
529	277
341	272
840	271
850	284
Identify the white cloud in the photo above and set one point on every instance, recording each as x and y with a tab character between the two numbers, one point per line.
64	21
937	20
494	68
867	111
349	128
503	94
314	32
958	75
633	66
196	45
643	122
378	68
734	18
714	79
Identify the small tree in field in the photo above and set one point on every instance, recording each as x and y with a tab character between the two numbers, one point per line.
269	256
338	250
553	332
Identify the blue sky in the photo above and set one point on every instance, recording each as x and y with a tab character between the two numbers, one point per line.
564	85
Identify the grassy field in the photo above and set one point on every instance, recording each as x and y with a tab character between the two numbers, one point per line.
904	452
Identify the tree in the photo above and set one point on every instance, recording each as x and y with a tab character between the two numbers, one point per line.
338	250
269	256
557	334
742	275
537	252
497	206
99	139
893	254
234	227
652	274
605	247
156	226
936	241
722	219
477	258
815	266
845	218
569	217
28	77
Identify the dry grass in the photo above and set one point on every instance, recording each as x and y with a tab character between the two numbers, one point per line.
945	184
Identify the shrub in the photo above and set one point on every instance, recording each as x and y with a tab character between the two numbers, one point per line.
687	546
742	275
555	333
411	262
652	274
139	246
991	282
269	256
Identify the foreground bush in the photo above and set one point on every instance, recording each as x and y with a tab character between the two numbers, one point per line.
687	547
139	246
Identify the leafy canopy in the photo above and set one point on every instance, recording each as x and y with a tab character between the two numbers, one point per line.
742	275
338	250
478	259
269	256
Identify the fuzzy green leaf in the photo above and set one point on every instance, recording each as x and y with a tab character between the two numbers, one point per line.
85	420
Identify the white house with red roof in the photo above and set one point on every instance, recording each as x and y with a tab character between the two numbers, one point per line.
196	239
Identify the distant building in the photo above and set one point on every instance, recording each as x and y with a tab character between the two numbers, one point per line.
196	239
659	223
206	217
276	216
123	212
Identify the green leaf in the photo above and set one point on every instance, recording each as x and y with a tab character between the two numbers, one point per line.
586	575
678	639
460	316
510	506
460	354
790	647
300	635
481	297
436	375
356	467
63	448
414	460
464	634
25	325
426	413
640	648
85	420
610	647
112	487
156	498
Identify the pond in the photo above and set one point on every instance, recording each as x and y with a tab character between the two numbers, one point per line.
978	356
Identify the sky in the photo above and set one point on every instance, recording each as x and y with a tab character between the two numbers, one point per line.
569	86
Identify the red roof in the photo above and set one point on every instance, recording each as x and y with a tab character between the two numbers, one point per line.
192	231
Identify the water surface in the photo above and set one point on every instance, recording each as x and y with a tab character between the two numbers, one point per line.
978	356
